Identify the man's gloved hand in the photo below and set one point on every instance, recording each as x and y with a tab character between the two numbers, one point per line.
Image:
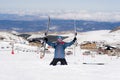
45	39
74	39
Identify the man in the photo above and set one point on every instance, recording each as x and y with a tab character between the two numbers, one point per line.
59	54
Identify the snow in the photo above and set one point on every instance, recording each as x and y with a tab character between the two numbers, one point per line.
9	37
25	65
28	66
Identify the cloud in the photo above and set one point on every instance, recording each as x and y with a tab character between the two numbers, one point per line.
69	14
95	16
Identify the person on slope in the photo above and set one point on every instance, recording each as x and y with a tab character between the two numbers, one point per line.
59	46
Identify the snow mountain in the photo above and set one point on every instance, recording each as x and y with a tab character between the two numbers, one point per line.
10	37
56	25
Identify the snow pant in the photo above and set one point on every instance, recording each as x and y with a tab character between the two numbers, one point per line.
55	60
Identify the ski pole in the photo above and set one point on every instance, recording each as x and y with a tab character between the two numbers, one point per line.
75	34
44	42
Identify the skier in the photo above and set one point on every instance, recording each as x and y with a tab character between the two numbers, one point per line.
59	46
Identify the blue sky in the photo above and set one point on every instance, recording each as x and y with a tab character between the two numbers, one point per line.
89	5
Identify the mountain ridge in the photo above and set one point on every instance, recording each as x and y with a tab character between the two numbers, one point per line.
56	25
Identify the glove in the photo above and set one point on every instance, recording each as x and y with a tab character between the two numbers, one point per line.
45	39
74	39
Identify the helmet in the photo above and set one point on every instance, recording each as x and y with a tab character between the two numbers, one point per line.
59	38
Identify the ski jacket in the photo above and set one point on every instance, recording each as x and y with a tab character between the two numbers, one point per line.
60	48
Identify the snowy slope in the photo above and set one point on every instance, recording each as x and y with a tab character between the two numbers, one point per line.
10	37
27	65
100	35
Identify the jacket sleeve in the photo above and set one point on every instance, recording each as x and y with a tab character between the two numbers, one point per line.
69	43
51	44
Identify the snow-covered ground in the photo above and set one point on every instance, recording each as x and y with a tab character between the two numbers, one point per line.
26	64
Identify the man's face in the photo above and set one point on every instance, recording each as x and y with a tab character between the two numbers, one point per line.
59	40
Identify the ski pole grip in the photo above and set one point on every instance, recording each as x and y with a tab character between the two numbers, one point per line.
76	34
45	34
